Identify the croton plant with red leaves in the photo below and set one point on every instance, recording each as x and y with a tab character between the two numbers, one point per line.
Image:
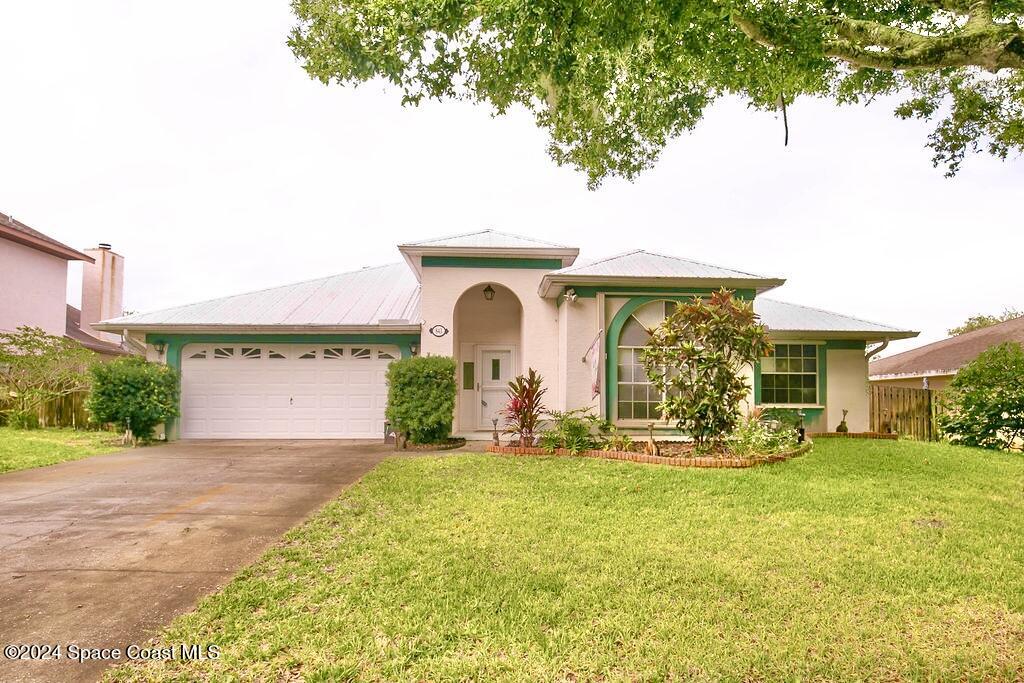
524	408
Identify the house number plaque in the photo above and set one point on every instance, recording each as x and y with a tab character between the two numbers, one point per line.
438	330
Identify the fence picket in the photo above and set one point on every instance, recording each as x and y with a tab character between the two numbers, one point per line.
907	411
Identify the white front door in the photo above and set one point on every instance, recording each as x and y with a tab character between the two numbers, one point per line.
496	370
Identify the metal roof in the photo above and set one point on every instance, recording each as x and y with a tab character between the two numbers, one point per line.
780	316
642	263
487	239
368	297
389	296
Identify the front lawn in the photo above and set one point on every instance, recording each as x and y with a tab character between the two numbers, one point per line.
865	560
21	449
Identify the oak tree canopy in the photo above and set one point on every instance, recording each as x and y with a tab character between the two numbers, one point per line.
614	80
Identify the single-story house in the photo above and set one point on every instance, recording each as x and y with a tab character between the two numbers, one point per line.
33	287
933	366
308	360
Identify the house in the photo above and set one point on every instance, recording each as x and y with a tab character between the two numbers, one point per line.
33	287
933	366
308	360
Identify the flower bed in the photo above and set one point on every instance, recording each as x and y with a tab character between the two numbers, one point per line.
854	435
712	461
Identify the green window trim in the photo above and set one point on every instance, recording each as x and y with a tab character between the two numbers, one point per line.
611	367
175	342
490	262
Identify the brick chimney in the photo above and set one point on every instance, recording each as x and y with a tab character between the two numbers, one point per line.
102	290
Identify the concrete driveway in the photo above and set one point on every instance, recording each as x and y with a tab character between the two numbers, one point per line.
102	552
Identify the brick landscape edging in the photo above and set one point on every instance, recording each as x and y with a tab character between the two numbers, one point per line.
629	456
854	435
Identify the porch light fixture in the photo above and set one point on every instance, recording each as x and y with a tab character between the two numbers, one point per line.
489	293
160	346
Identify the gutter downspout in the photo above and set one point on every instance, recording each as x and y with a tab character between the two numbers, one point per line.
878	349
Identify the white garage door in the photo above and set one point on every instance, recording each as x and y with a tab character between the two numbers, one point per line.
283	391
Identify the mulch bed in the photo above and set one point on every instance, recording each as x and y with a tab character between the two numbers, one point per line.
714	461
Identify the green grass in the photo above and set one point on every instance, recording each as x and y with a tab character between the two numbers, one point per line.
865	560
22	449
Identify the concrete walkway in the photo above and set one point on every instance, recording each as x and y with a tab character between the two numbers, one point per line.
103	552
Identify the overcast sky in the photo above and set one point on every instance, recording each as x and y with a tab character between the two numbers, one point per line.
187	135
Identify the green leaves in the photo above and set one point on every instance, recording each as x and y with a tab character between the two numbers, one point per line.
421	397
985	401
613	82
695	359
524	407
134	394
36	367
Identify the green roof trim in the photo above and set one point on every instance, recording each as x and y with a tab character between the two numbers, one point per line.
490	262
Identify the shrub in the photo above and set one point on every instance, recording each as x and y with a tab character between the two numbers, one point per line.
421	397
524	407
573	430
36	367
134	394
754	435
985	401
695	357
615	441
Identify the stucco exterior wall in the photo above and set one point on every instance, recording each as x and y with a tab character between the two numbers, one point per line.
33	289
847	388
579	325
538	347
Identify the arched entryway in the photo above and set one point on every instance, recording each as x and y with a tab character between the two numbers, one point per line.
488	343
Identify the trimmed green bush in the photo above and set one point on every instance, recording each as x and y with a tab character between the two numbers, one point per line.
421	397
134	394
985	401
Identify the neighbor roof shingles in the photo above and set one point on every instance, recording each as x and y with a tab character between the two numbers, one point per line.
33	238
948	355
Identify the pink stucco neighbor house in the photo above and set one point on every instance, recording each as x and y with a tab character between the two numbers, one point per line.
33	287
308	360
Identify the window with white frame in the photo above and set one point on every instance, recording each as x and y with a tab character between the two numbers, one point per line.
789	376
638	399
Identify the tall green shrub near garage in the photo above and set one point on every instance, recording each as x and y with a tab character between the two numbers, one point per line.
134	394
421	397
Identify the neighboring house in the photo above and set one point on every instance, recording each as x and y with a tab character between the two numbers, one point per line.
933	366
308	360
33	287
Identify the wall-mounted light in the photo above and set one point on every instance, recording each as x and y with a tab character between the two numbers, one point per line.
160	346
414	349
489	293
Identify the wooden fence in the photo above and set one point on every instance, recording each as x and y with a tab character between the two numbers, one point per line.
905	411
67	411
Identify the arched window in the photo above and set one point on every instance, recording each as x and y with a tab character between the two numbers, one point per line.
637	397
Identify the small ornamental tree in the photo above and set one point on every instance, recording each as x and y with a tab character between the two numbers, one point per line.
524	408
36	367
985	401
134	394
695	358
421	397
